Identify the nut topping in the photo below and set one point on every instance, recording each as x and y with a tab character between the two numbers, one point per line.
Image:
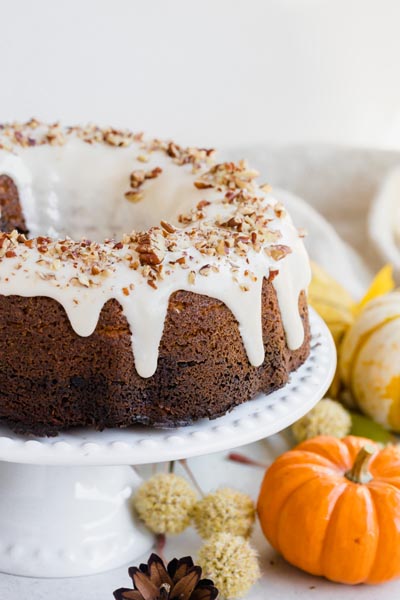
278	251
237	222
151	247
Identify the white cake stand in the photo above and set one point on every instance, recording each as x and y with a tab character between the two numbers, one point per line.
65	501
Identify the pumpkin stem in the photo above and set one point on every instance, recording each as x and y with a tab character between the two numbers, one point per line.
359	472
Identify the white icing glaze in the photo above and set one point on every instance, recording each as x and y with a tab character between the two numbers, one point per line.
78	189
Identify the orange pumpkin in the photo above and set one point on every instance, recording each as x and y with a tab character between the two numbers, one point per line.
332	507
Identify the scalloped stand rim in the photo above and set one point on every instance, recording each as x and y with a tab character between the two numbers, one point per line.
65	507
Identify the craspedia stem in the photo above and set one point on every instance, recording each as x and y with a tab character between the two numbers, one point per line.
359	473
192	478
245	460
160	545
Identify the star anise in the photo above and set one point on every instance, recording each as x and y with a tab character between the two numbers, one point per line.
180	580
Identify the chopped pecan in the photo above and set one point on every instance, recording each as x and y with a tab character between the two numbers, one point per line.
154	173
173	150
151	247
137	178
278	251
202	204
202	185
167	226
272	275
133	196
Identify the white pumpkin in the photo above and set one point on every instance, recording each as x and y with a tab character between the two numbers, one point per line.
370	360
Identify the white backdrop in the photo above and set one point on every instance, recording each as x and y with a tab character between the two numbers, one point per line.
217	72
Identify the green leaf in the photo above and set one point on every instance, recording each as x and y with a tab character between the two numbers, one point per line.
365	427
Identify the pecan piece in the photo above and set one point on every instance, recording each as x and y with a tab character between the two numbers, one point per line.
151	247
278	251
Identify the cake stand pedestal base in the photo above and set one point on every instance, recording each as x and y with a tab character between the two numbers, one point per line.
60	521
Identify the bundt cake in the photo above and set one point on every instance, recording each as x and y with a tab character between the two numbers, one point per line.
199	309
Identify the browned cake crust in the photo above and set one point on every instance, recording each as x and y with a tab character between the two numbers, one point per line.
11	216
52	379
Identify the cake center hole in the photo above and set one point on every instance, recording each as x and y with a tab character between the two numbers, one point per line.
79	190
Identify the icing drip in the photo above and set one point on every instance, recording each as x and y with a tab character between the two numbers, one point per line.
78	189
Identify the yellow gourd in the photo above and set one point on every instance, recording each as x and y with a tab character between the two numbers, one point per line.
335	305
338	309
370	360
331	301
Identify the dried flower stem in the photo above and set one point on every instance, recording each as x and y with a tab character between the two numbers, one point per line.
245	460
161	540
192	478
134	469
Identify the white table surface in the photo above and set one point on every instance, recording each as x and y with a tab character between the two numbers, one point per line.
301	170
